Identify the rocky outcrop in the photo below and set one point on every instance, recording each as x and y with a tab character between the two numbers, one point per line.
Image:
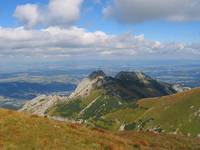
95	79
180	88
41	104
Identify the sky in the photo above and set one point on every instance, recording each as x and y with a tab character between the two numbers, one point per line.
99	29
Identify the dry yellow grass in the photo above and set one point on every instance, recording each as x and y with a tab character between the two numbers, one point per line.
24	132
20	131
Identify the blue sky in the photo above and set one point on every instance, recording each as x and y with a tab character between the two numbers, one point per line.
60	29
188	31
92	19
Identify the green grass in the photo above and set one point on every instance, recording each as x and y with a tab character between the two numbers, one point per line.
69	110
99	105
102	106
72	108
180	112
126	115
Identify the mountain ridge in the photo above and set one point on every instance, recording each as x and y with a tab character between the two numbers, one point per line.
128	86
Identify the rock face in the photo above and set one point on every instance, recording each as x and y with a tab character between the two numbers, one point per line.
179	88
40	104
96	74
95	79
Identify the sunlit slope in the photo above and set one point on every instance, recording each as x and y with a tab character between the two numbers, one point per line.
26	132
93	106
178	114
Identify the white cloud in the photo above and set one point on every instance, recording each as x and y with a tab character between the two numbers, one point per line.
28	14
57	12
72	41
136	11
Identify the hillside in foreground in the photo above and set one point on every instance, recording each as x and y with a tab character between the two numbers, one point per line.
23	132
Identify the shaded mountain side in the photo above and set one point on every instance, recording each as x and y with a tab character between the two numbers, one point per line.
125	85
21	131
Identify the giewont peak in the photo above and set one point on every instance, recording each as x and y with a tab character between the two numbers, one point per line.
95	74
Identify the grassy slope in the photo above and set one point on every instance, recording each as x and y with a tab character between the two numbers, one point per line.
151	141
23	132
98	103
72	108
180	112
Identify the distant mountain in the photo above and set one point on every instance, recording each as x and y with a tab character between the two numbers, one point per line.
99	94
125	85
22	131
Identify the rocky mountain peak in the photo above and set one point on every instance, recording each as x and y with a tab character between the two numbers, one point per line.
125	85
95	74
134	76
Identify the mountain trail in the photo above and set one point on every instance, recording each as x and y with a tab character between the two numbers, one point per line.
89	105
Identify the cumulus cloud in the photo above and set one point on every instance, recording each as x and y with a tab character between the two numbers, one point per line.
57	12
136	11
28	14
72	41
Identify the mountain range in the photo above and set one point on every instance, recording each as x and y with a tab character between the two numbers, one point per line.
126	86
128	101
